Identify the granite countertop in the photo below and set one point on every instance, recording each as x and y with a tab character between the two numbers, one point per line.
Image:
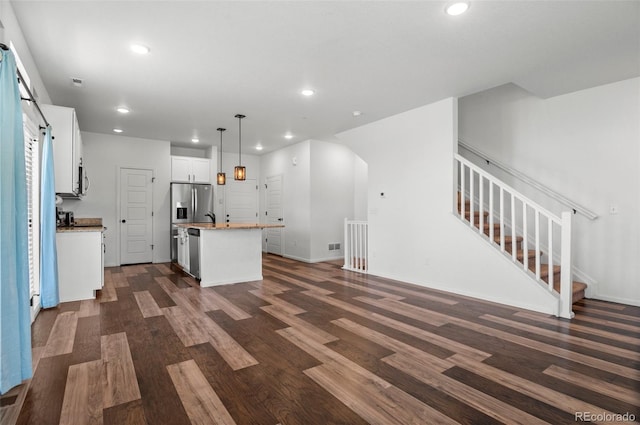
228	226
80	229
84	225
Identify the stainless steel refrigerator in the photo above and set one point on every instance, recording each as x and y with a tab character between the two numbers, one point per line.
190	203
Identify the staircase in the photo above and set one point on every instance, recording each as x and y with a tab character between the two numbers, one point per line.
535	239
578	288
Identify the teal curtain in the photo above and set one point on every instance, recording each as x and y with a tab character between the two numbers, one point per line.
15	317
49	294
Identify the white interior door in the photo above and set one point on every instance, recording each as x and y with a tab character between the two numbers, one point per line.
136	216
274	214
241	201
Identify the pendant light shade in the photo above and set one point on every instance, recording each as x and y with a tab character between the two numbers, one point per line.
239	172
221	177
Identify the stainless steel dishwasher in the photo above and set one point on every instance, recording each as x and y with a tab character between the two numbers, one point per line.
194	252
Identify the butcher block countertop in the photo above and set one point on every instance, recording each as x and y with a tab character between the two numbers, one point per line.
228	226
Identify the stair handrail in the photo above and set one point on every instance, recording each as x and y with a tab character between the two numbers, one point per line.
575	207
564	222
507	187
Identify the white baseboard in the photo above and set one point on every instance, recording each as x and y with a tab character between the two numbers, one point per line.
312	260
626	301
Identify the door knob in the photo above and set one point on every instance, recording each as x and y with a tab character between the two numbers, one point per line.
124	221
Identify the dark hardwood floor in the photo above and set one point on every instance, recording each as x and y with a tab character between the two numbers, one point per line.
313	344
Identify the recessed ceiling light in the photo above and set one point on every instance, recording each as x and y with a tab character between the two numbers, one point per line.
457	8
123	109
357	113
259	147
117	130
288	136
140	49
308	92
195	140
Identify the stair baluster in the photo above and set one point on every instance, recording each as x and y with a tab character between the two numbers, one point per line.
528	249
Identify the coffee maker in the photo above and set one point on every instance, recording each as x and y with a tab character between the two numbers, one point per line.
64	218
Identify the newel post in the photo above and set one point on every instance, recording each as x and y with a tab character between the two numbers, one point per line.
347	246
566	281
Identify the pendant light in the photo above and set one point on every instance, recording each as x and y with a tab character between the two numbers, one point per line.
221	176
239	172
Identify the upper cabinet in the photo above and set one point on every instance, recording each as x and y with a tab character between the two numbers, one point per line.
67	150
190	170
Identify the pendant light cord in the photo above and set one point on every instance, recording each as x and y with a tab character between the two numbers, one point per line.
240	116
221	130
240	140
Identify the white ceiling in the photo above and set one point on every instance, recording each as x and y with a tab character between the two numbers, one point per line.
210	60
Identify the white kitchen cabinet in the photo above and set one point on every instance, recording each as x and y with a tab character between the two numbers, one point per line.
183	248
190	170
67	148
80	264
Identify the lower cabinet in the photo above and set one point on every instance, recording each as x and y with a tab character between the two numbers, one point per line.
80	264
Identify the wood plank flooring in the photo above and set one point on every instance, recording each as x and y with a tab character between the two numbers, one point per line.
314	344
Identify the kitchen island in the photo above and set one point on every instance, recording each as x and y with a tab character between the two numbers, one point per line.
228	252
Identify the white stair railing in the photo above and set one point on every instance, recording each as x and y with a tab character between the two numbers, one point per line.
356	239
500	214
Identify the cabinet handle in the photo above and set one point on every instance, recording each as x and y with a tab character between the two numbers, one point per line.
123	221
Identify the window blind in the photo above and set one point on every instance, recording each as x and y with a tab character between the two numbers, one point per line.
32	168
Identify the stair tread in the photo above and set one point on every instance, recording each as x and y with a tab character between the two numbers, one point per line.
575	286
507	239
544	269
476	213
531	254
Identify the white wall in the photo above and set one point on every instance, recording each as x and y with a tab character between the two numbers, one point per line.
332	197
319	191
360	188
586	146
413	235
13	33
104	154
296	201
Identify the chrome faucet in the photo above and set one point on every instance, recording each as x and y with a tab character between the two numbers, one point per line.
212	216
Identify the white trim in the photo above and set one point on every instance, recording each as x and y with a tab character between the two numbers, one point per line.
626	301
480	296
310	261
